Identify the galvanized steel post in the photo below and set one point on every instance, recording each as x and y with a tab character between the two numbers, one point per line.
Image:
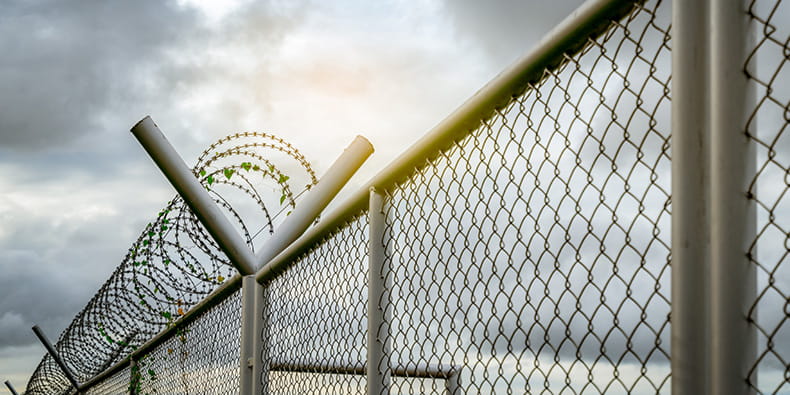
378	368
690	198
134	377
732	217
195	196
308	209
251	306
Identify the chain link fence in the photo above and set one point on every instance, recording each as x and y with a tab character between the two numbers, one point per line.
530	255
768	68
316	318
202	358
534	255
118	383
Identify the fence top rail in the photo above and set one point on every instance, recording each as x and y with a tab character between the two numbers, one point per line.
587	22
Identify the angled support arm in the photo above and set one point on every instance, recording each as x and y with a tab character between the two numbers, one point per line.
11	388
54	354
195	195
314	202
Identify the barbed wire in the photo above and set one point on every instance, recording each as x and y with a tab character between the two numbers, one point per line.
255	178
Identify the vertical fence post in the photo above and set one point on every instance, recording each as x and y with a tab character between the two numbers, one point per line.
134	376
251	297
732	213
378	367
690	197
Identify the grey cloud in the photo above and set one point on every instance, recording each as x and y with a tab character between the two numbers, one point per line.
64	61
505	29
74	70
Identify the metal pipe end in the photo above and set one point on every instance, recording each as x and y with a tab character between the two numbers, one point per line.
146	120
361	140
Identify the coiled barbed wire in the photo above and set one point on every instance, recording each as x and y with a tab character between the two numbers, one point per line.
256	179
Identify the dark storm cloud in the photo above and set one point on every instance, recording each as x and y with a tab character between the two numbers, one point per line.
506	29
64	61
74	76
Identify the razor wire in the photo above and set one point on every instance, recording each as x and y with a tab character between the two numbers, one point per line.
174	264
768	68
533	256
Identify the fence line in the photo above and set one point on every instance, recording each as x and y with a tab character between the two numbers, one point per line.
524	244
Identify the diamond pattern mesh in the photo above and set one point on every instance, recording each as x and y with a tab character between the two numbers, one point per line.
533	256
317	315
530	257
768	67
115	384
202	358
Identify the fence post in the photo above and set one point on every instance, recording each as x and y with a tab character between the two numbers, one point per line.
251	305
55	356
194	194
690	198
379	372
733	281
134	376
11	388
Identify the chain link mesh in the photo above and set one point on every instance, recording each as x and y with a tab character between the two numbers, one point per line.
768	68
202	358
115	384
317	318
533	256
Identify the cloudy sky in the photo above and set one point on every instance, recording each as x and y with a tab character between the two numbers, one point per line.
76	188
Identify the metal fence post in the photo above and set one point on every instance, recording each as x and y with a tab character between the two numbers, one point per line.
55	356
733	281
308	209
378	368
194	194
690	198
134	376
251	305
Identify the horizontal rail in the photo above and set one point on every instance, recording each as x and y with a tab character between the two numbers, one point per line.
419	372
588	21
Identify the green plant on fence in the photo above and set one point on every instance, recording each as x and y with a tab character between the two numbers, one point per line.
271	171
140	373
